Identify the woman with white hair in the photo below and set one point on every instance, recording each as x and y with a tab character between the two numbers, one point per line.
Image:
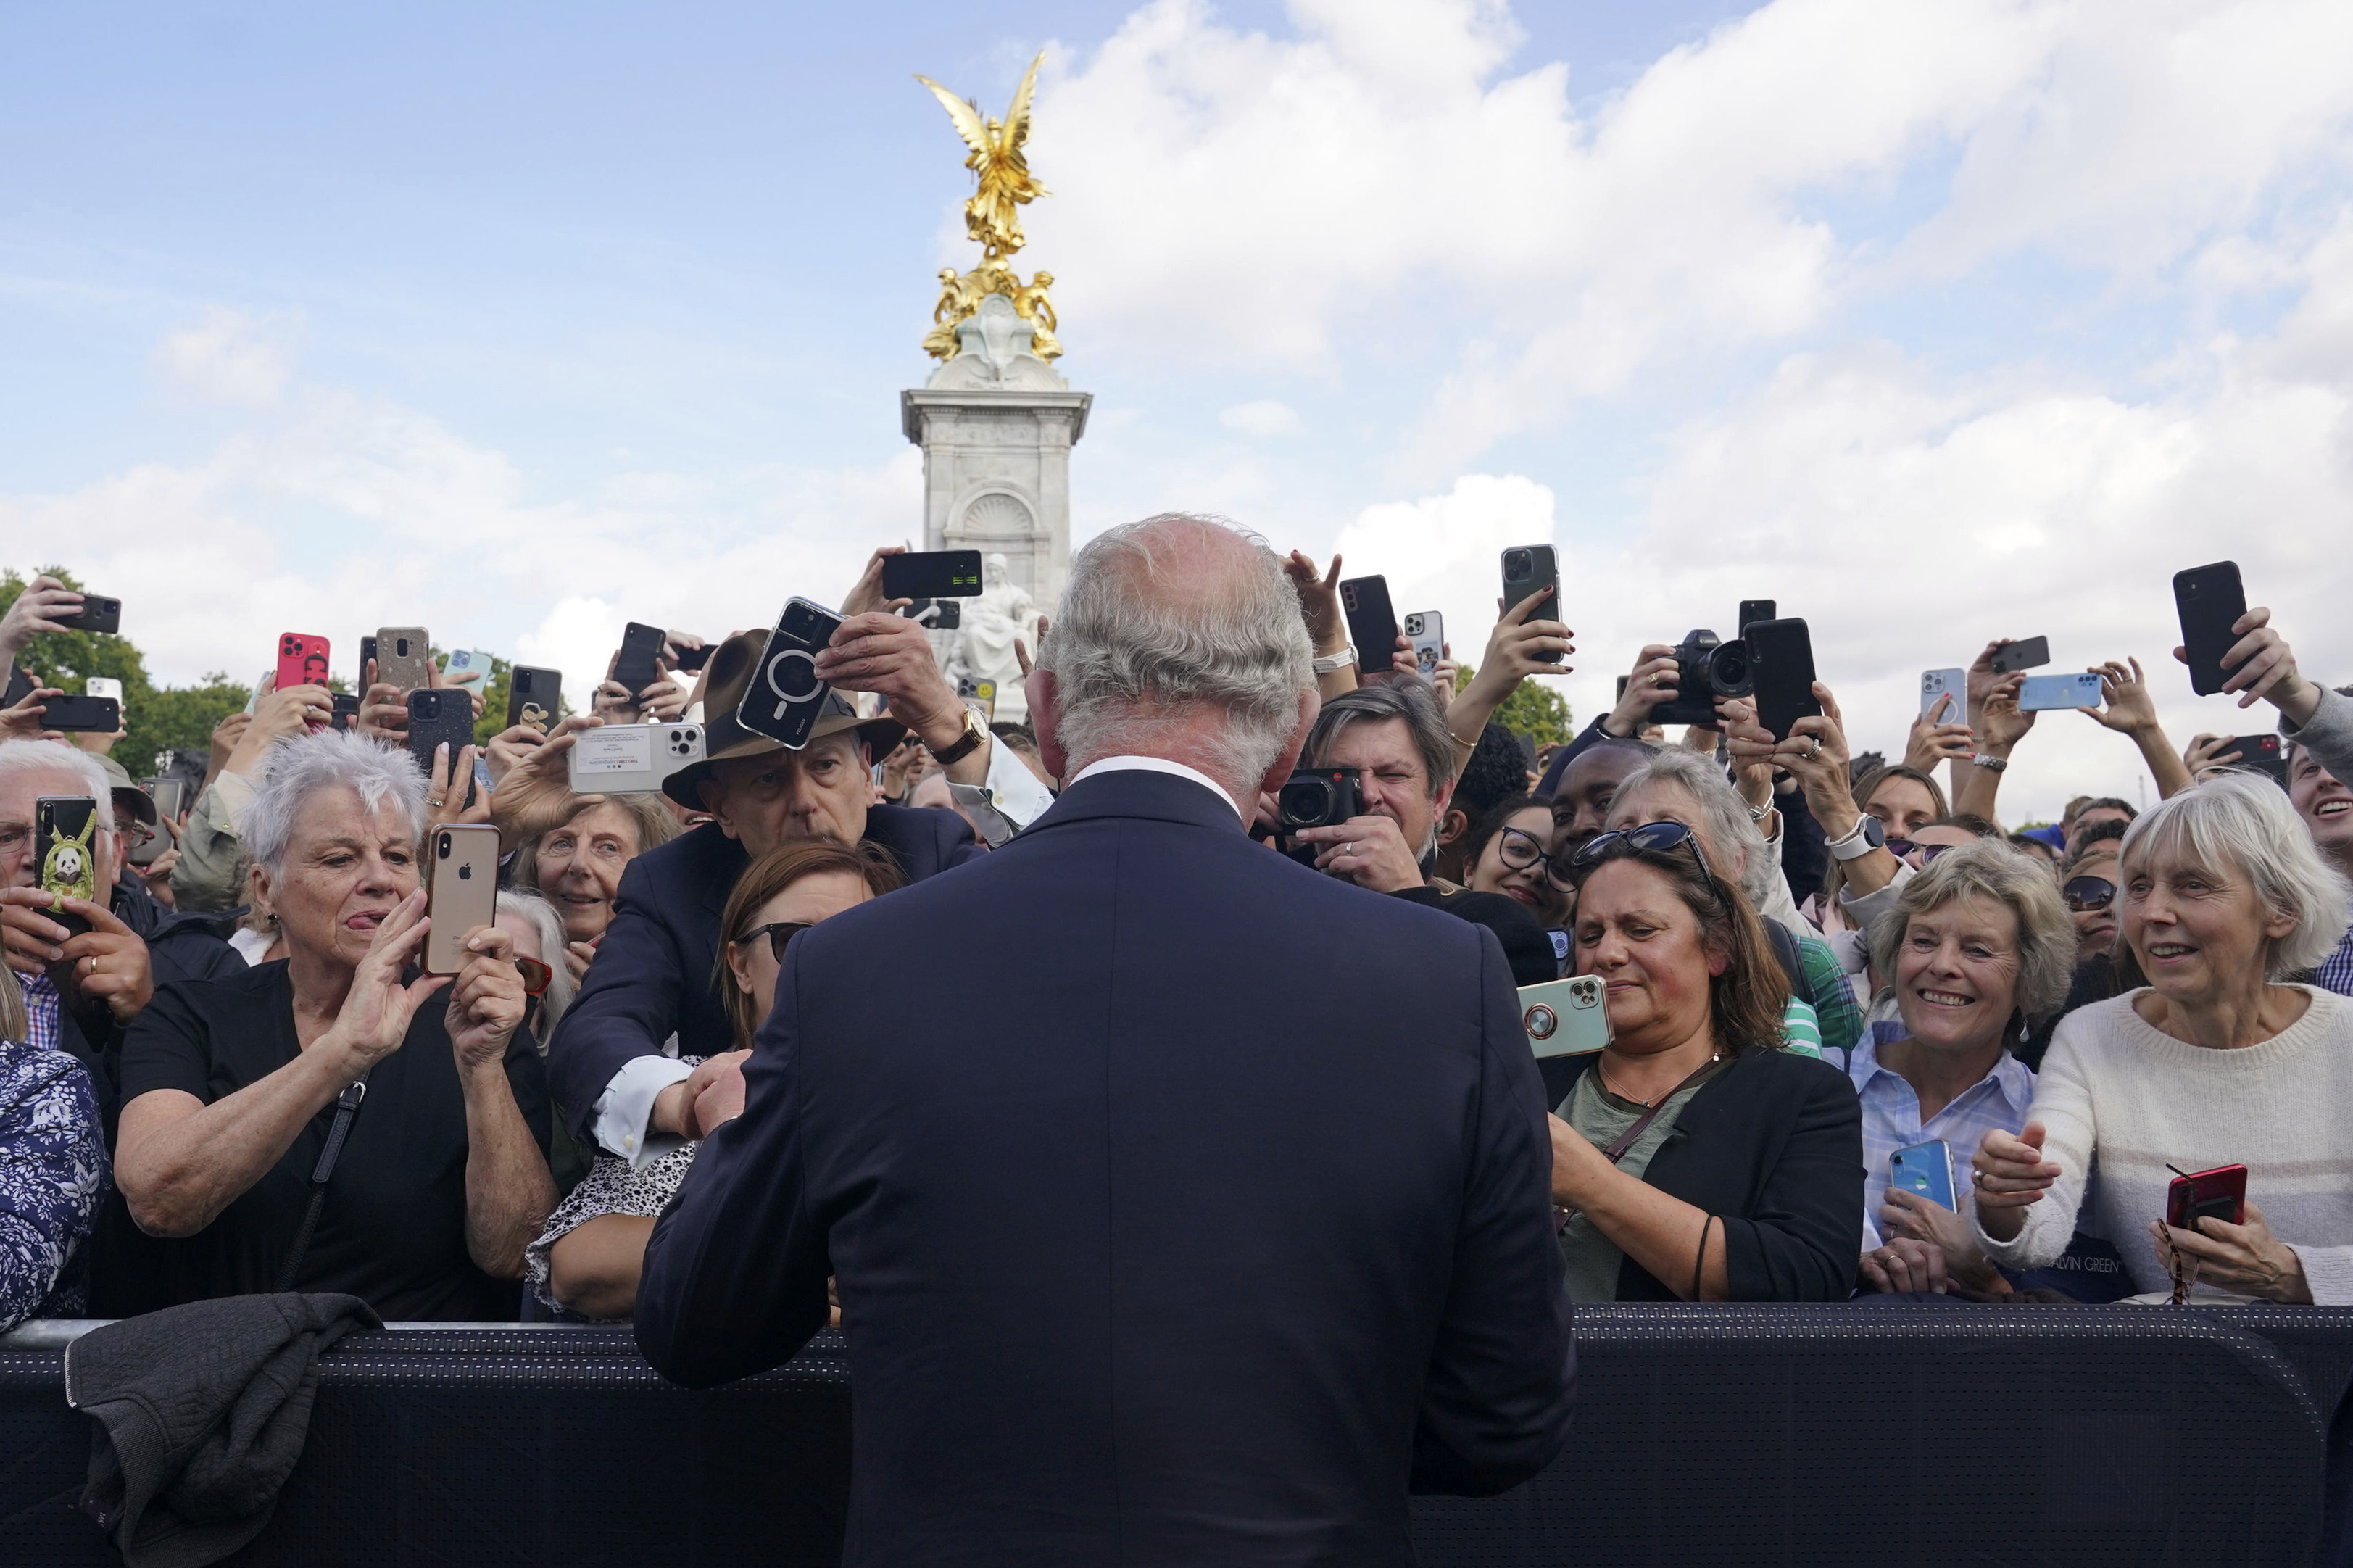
2215	1062
439	1116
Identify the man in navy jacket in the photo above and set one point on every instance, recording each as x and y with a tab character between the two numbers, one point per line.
1186	1206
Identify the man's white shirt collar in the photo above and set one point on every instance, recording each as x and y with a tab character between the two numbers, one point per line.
1158	765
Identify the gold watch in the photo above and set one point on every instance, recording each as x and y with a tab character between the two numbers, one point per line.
974	733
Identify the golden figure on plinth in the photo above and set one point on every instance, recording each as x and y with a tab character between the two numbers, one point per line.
993	217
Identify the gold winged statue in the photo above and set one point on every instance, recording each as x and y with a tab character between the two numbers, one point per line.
993	216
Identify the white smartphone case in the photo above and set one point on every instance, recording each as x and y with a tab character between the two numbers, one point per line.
632	759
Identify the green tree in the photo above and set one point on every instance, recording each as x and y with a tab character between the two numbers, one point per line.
1535	710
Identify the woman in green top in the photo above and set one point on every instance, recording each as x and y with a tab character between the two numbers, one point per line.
1697	1159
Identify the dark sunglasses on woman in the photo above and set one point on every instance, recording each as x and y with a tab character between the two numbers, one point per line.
1902	850
2088	895
1651	838
779	934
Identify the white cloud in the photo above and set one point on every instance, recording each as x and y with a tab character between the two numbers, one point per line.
1265	418
230	357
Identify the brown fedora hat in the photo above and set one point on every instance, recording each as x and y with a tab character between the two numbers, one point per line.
726	676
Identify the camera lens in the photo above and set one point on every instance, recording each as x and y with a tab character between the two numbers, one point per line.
1303	803
445	845
1727	670
1519	563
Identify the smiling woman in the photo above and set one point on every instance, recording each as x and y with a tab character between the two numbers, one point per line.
577	866
440	1106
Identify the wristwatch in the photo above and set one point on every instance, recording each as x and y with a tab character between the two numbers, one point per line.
974	733
1990	764
1860	840
1334	663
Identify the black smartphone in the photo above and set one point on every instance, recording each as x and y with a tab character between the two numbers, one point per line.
532	697
169	794
641	664
693	658
1782	663
367	655
785	700
20	686
931	574
1526	569
1372	625
2211	600
346	709
64	858
2264	753
2032	653
1753	611
98	613
98	715
439	715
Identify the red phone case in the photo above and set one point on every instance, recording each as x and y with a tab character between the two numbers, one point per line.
2203	1187
302	660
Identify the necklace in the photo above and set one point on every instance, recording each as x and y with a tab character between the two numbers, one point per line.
1603	1069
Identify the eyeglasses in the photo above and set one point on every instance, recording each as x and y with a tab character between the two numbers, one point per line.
536	977
2088	895
779	934
1651	838
1902	848
1518	848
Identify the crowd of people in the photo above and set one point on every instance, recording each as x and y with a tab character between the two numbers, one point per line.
227	1072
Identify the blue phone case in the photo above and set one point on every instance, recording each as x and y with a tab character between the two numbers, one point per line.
1926	1169
2046	693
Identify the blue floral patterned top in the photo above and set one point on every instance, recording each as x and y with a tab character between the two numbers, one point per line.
53	1175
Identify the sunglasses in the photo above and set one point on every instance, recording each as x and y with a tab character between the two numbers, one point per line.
536	977
779	934
1651	838
1903	848
2086	895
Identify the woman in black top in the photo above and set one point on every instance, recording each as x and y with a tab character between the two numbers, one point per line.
1696	1159
230	1086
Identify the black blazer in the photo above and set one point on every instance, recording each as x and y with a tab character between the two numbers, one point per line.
654	973
1188	1205
1773	1145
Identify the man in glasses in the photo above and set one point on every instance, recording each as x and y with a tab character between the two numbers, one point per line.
2088	884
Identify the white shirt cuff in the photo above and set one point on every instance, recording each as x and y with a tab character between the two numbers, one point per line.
1013	791
628	1104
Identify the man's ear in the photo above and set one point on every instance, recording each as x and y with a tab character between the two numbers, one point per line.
1452	824
715	800
1045	718
1311	704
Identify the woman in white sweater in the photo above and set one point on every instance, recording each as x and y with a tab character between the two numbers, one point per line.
2213	1062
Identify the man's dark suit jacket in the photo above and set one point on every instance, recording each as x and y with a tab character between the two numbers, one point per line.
1773	1144
656	969
1188	1206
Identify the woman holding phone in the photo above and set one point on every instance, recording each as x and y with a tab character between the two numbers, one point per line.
2219	1060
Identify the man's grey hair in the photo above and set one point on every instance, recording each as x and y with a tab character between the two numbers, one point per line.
1727	822
304	766
541	916
1412	701
57	757
1994	870
1135	652
2243	822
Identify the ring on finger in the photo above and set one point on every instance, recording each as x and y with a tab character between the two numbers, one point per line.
1813	748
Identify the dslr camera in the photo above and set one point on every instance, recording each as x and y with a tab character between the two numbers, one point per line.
1318	797
1707	667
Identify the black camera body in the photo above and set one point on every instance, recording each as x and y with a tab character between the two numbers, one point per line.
785	698
1318	797
1707	667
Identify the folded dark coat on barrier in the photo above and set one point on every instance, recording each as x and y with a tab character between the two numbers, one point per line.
201	1410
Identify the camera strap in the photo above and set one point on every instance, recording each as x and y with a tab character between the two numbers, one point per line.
347	1108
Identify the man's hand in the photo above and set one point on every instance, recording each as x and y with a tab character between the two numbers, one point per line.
866	595
889	655
721	1096
41	608
674	1107
1319	603
109	962
1651	683
1369	851
26	720
32	940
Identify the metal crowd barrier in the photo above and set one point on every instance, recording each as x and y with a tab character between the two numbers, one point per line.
1806	1435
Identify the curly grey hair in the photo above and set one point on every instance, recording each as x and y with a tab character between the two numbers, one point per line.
1727	824
1990	869
304	765
2242	821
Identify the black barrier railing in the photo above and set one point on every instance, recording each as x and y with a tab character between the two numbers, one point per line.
1810	1435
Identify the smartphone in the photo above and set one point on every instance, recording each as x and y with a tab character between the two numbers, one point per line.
1753	611
631	759
439	716
2264	753
1426	629
2211	600
693	658
640	662
1782	664
783	702
2219	1194
1938	684
980	696
1372	625
367	654
2041	693
464	857
467	666
1926	1169
1526	569
65	855
169	794
302	660
96	715
101	685
20	686
1567	1021
931	574
534	697
2011	657
346	705
935	615
98	613
403	656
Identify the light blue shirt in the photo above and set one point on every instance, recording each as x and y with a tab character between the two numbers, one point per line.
1890	1120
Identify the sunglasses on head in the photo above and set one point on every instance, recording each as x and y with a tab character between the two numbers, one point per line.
779	934
2086	895
1902	848
1651	838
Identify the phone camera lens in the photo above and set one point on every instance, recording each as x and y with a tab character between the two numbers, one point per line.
445	847
1519	562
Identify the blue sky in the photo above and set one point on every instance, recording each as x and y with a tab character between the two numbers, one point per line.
1935	321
